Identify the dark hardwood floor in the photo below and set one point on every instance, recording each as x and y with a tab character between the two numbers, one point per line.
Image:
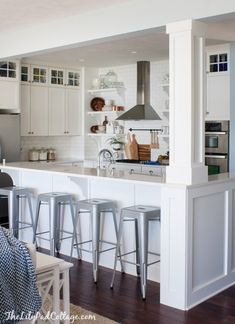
125	305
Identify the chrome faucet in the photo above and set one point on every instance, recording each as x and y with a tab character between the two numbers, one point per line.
107	155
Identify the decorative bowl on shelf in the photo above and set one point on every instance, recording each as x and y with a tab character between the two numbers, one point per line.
94	129
97	104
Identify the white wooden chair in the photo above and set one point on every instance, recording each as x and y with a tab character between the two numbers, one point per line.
52	275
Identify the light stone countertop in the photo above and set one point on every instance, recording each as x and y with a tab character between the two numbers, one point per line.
78	171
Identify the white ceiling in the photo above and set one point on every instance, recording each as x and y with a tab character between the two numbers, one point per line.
149	45
23	13
152	46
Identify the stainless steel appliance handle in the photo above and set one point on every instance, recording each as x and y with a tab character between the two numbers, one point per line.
216	133
216	156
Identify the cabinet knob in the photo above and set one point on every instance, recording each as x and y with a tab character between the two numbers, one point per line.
29	132
32	133
150	172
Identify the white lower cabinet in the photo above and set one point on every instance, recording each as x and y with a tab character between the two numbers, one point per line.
34	110
64	111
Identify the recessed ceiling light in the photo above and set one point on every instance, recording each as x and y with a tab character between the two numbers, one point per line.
133	52
81	60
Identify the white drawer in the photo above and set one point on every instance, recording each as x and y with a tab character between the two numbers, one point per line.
153	170
127	167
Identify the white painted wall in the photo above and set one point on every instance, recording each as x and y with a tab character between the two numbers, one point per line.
114	20
159	100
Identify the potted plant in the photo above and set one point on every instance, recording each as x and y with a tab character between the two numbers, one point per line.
116	142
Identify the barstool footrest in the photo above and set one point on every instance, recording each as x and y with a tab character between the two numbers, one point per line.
134	251
100	241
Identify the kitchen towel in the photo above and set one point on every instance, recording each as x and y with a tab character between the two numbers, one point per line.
18	291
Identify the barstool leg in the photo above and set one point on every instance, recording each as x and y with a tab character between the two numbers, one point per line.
116	232
13	212
137	248
57	225
52	220
143	244
118	249
95	229
75	222
30	210
36	220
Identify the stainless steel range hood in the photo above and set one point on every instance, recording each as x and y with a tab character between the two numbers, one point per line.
143	110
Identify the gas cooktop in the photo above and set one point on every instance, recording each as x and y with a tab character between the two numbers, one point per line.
138	161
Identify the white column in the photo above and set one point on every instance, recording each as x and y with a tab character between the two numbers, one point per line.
187	87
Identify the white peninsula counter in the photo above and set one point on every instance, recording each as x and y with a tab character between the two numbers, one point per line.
197	241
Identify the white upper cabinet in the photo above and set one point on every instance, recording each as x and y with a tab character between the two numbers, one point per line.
9	86
50	101
218	83
34	101
65	114
73	115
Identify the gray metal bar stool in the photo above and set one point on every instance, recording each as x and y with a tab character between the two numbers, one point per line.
141	215
55	200
14	194
95	207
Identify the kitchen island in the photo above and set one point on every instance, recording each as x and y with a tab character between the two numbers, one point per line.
197	241
124	188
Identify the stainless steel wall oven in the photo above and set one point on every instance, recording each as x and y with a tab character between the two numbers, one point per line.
217	146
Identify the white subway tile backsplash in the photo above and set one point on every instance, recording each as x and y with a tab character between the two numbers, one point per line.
67	147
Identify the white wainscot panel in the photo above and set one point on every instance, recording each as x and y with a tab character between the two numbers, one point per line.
76	186
233	231
208	240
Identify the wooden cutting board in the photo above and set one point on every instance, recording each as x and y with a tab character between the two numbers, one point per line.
144	152
134	148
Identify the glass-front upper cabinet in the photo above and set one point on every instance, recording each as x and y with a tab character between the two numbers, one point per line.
24	73
218	62
57	77
218	59
8	69
73	78
39	75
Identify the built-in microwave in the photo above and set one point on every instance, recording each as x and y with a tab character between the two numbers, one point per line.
216	137
217	146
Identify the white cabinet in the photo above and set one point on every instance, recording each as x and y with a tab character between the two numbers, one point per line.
218	83
9	86
50	101
65	114
34	102
218	101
